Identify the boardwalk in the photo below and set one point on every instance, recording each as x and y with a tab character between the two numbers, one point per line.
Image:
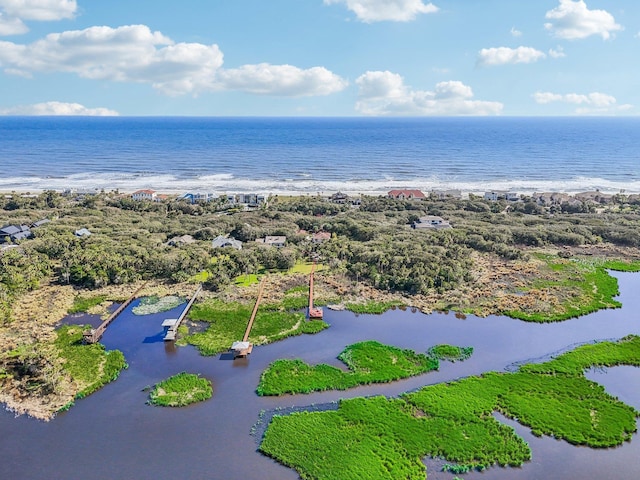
95	334
314	312
244	347
171	324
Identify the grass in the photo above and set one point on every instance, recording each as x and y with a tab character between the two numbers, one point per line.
368	362
583	287
155	304
229	322
83	304
305	267
372	306
450	353
90	366
386	438
247	280
181	390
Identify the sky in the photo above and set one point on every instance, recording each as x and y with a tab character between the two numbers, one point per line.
319	57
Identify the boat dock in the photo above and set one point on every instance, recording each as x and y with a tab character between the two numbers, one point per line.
243	347
171	324
315	313
95	334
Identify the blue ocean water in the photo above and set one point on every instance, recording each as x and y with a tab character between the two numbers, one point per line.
287	155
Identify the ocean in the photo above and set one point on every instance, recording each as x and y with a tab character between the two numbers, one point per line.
320	155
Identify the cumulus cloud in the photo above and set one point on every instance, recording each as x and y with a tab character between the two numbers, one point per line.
11	25
573	20
13	12
266	79
370	11
590	103
134	53
490	57
57	108
384	93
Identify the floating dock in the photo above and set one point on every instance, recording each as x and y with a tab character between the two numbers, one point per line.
171	325
95	334
243	347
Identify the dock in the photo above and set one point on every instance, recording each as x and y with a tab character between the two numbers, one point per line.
243	347
171	325
315	313
95	334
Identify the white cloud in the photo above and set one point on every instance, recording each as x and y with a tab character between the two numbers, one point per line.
370	11
572	20
590	103
515	32
489	57
287	80
13	12
57	108
384	93
11	26
557	52
43	10
134	53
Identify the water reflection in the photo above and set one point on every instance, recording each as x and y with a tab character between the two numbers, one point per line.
114	434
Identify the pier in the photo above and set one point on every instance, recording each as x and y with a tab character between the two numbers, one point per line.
243	347
95	334
315	313
171	324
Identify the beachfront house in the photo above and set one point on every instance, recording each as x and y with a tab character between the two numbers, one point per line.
221	242
198	197
431	222
446	194
148	195
406	195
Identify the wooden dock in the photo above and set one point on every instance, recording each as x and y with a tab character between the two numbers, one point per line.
171	324
315	313
243	347
95	334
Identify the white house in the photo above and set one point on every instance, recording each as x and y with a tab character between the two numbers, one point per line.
431	222
221	242
149	195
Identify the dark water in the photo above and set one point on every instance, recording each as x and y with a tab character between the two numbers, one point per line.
113	434
285	155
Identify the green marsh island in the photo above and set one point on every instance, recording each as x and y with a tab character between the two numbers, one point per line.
387	438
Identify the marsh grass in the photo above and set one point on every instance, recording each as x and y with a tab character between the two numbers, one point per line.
386	438
155	304
228	322
84	304
372	307
367	362
181	390
90	366
587	284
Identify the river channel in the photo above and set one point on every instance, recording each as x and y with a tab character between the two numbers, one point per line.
114	434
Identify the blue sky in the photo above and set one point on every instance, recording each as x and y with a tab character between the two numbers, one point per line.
320	57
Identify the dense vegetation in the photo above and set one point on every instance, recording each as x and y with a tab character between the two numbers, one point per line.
386	438
368	362
181	390
84	304
229	322
372	244
91	366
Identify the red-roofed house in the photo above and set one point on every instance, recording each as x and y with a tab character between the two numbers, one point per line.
406	194
144	195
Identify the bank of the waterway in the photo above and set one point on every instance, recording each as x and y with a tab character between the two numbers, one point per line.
114	434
